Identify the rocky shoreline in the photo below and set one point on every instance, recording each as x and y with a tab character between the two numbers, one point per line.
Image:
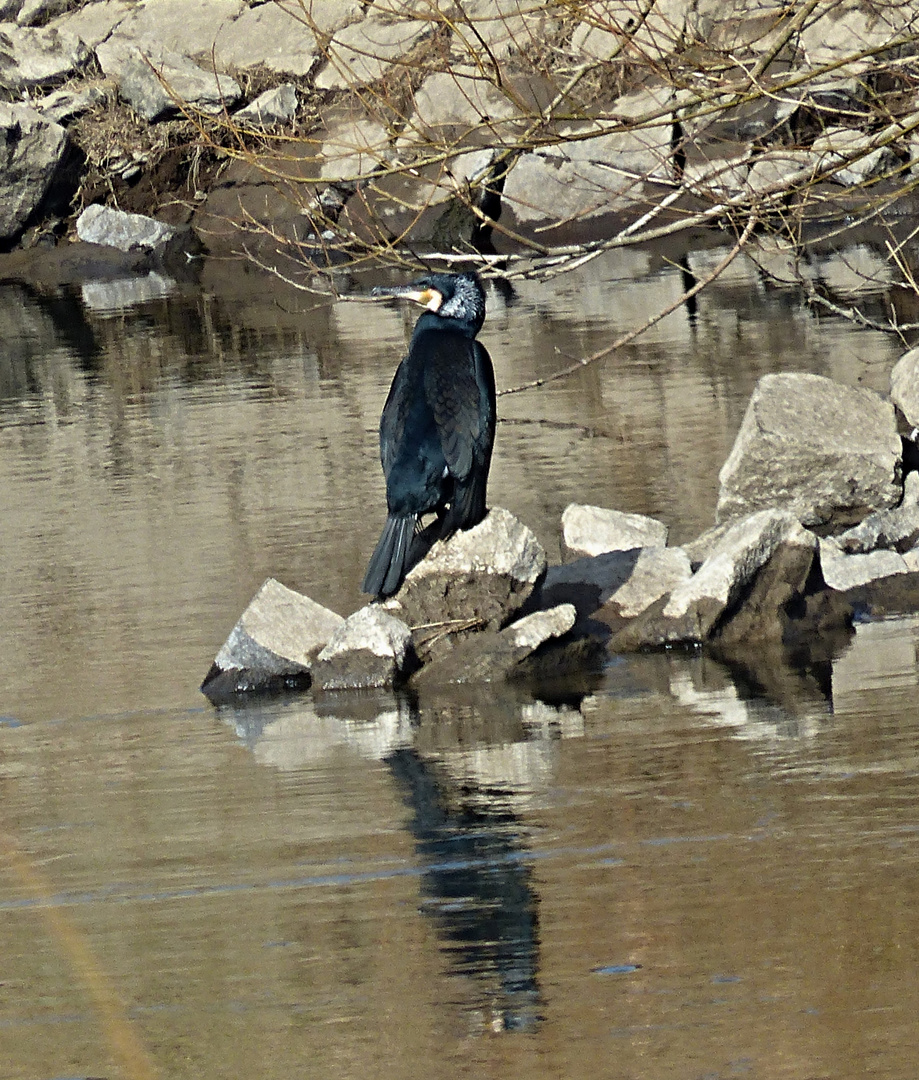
320	125
818	526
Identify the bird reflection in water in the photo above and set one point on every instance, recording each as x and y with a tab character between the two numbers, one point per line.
477	887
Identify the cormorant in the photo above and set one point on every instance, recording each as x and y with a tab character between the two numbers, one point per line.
438	424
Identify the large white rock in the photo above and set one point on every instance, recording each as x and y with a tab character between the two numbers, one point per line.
825	452
165	85
158	27
43	57
362	52
588	175
591	530
696	606
276	106
126	232
478	577
274	643
842	571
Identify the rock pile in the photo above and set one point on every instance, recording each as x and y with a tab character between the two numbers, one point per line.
484	606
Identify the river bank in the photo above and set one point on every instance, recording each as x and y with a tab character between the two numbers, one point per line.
327	128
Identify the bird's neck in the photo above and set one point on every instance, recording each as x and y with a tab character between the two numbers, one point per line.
430	320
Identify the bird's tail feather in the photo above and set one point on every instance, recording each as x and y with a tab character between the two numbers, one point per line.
389	562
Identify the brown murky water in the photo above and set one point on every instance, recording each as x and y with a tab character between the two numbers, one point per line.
679	874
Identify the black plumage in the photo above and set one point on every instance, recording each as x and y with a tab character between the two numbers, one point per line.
438	425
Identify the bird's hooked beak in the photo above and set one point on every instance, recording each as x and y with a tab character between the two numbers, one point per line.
427	296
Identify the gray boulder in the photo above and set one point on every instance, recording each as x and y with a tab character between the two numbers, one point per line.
32	150
828	453
274	644
126	232
476	579
351	146
362	52
616	585
63	105
842	571
896	529
496	29
371	648
157	27
591	530
851	153
277	106
586	176
456	104
494	655
31	58
163	86
904	386
696	607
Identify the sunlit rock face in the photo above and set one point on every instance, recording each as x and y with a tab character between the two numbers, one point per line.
828	453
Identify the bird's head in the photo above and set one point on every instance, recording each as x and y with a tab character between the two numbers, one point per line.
459	297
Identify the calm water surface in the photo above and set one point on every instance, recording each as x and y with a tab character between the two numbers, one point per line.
677	872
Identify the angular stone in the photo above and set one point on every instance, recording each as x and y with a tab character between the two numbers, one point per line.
828	453
126	232
462	100
904	386
174	82
477	578
656	571
763	615
170	26
62	105
276	37
486	30
852	28
848	150
606	24
362	52
842	571
494	655
615	585
371	648
45	57
591	530
698	550
277	106
95	22
589	177
32	150
896	529
776	170
273	645
352	147
690	613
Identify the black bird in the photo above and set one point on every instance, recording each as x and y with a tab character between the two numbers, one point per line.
438	424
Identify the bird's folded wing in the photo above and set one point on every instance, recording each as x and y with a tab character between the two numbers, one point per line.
454	397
